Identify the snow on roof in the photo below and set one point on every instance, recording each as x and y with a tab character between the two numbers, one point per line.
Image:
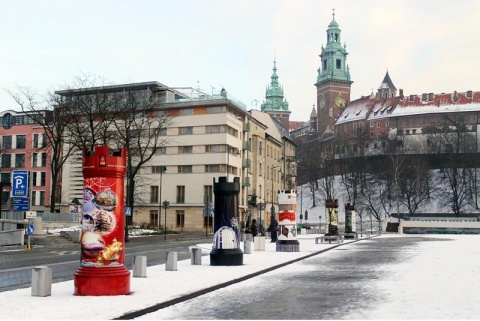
356	110
375	108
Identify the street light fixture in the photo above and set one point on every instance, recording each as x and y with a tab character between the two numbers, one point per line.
166	204
162	169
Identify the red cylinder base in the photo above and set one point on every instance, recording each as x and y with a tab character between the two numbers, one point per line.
102	281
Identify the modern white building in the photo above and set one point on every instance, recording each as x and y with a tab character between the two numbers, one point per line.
209	136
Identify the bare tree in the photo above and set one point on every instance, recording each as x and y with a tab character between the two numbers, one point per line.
45	111
416	185
451	139
353	171
91	109
140	128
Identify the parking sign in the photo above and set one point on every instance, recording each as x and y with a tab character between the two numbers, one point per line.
19	183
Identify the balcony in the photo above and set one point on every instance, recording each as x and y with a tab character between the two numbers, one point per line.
252	199
246	127
246	163
246	182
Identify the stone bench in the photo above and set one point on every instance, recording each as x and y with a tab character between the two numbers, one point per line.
350	236
335	238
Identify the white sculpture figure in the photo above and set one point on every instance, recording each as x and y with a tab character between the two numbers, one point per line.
225	238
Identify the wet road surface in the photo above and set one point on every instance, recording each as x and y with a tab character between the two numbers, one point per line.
331	285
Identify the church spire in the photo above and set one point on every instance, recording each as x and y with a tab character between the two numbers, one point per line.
274	96
274	82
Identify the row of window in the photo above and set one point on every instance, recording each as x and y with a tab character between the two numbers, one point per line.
212	129
38	197
24	119
37	160
215	168
209	110
38	141
409	122
38	178
155	219
219	168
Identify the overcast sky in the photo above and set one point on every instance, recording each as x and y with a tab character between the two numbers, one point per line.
426	45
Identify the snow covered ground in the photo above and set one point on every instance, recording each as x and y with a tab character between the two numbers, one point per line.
439	282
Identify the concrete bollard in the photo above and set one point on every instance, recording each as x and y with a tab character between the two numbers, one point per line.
247	247
259	243
139	266
42	281
171	264
196	256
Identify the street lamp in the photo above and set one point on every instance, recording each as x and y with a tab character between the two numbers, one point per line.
166	204
162	169
272	209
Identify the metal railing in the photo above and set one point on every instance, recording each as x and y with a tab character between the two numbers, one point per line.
46	217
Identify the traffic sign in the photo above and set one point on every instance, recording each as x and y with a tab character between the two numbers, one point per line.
19	183
128	211
21	204
30	229
30	214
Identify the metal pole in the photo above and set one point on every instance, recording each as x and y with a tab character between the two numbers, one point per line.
301	204
160	199
165	227
271	209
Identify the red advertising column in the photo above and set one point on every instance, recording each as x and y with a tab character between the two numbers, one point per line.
101	270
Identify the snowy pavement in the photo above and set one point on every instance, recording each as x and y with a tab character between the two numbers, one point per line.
437	282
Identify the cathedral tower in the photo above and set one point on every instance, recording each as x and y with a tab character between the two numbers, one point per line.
333	81
274	103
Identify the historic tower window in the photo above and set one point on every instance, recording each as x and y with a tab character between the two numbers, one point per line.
339	64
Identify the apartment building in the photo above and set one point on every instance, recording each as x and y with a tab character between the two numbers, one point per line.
209	136
24	146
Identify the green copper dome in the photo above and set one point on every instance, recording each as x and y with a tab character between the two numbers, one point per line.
333	56
274	97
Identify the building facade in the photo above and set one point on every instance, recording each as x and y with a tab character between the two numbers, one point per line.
209	136
24	146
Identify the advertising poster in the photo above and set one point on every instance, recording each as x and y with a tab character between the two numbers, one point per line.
102	222
287	208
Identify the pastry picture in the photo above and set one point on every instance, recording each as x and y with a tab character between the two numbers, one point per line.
106	200
103	221
92	244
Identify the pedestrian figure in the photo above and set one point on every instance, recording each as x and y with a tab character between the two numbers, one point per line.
254	228
273	229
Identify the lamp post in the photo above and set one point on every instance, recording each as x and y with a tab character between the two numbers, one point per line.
166	204
272	208
162	169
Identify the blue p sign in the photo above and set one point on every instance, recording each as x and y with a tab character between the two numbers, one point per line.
20	183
